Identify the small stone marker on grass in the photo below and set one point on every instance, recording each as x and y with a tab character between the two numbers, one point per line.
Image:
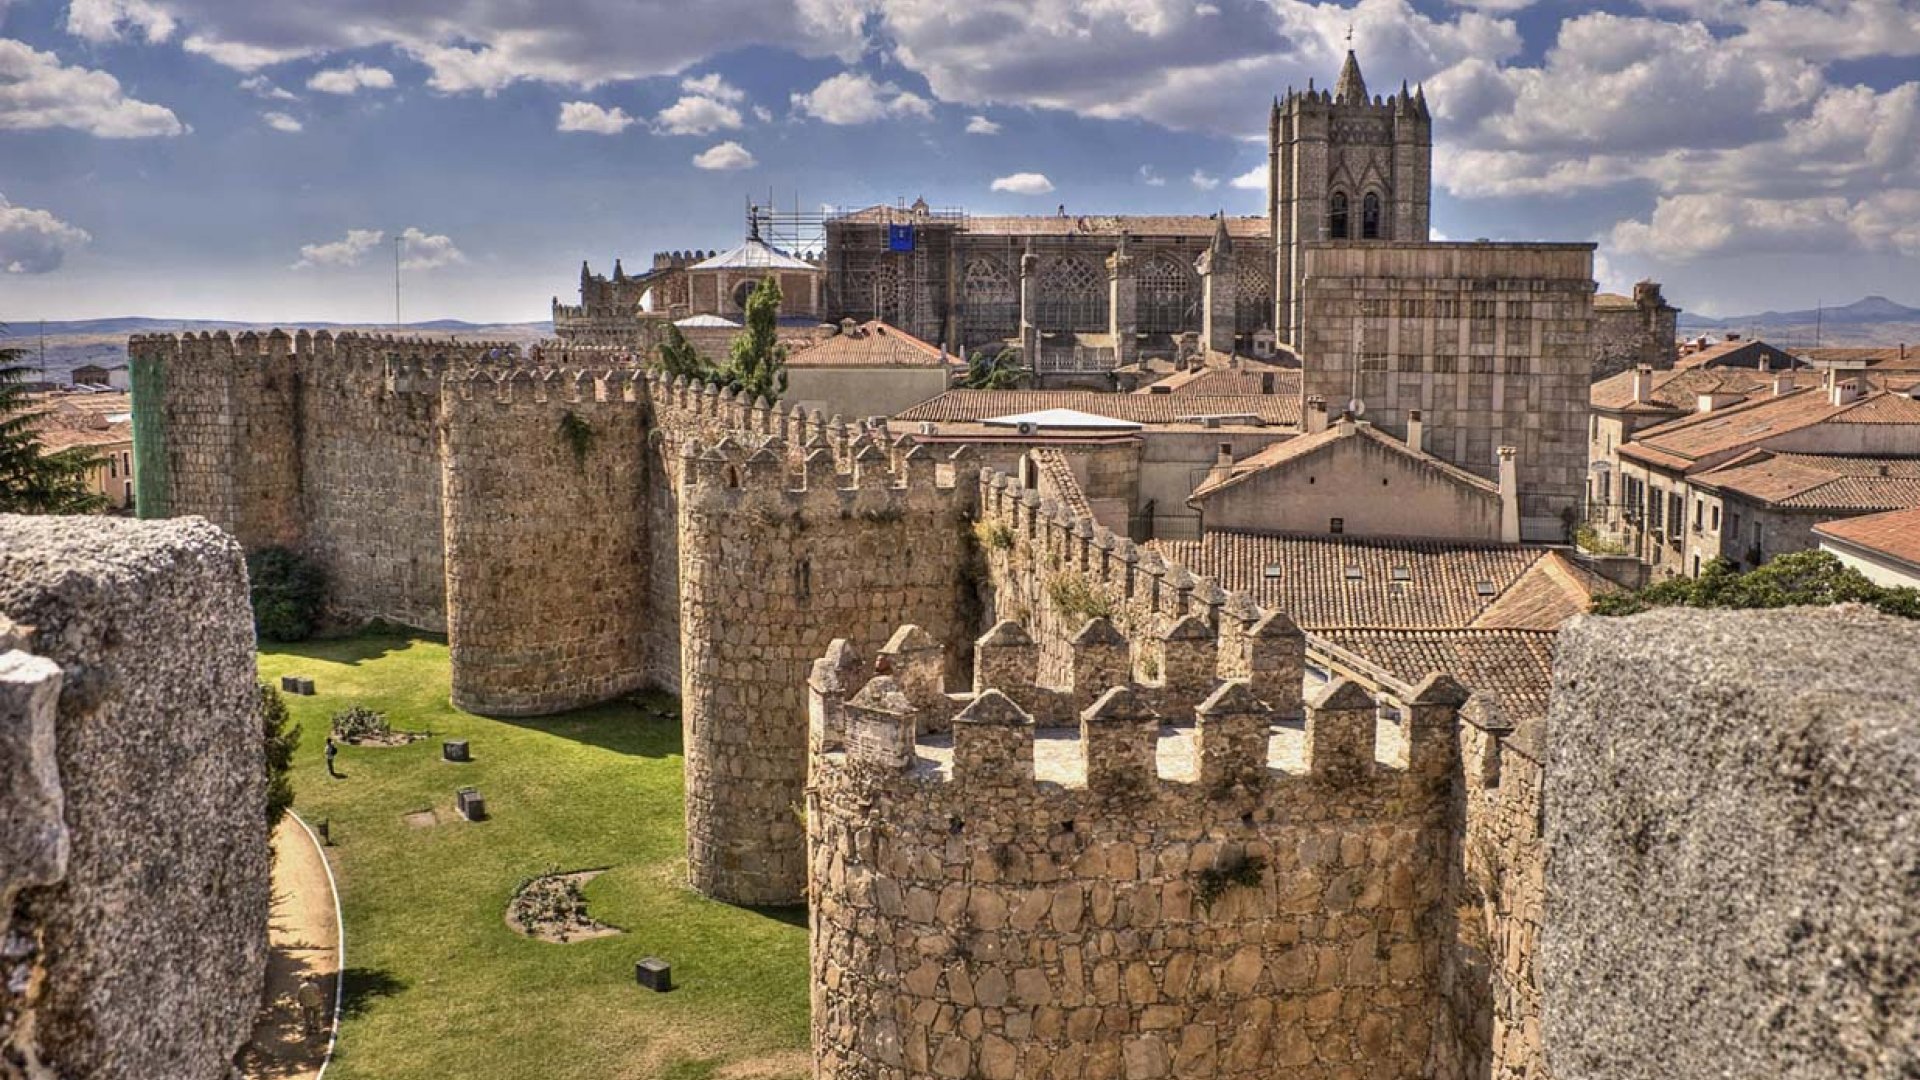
655	974
296	684
471	805
455	750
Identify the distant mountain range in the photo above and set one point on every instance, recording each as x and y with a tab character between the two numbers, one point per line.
139	325
1872	309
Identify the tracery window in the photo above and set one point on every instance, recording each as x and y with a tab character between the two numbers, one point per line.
1337	216
1072	295
1252	292
992	298
1168	300
886	295
1370	217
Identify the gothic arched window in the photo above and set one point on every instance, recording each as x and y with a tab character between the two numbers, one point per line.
1073	295
1337	217
992	299
1252	294
886	295
1370	217
1166	297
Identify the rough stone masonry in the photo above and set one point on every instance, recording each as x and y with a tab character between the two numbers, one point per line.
133	840
1734	888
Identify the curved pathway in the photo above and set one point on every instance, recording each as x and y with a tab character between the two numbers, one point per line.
305	938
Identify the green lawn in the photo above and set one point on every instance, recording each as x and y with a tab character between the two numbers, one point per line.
438	987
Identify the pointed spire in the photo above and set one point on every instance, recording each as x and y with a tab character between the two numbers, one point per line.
1222	243
586	275
1351	88
619	273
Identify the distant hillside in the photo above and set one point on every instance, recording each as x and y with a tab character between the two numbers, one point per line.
71	344
1874	320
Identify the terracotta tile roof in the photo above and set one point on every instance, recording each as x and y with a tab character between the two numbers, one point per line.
1818	481
1140	225
1295	449
1747	352
971	405
1512	667
1879	356
1682	443
1324	582
1679	389
1057	481
1221	381
56	437
870	344
1895	535
1607	301
1553	590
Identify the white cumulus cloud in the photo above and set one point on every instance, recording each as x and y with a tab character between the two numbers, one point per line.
34	241
1203	180
850	98
696	114
585	116
714	86
1254	179
423	251
351	80
101	21
1023	183
280	121
980	125
264	87
346	251
1151	178
37	91
723	156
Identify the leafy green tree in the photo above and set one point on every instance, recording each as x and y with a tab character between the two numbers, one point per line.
33	481
1799	579
999	371
678	357
287	592
282	737
758	363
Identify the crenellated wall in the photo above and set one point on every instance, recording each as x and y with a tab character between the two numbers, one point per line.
1175	880
773	563
546	481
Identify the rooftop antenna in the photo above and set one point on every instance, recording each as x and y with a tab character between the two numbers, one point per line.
399	241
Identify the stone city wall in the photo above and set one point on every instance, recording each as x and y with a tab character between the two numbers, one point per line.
1022	899
772	563
134	860
546	481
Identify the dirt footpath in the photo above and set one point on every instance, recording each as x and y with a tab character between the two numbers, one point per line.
305	940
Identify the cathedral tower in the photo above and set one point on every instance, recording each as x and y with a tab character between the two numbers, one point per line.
1343	166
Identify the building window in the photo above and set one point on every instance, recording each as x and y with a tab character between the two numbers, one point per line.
1446	309
1073	295
1411	309
992	298
1337	526
1699	513
113	467
1716	519
1337	216
1167	297
1370	217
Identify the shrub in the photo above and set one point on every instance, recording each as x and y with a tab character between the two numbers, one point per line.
1587	538
281	737
1072	595
360	722
993	535
1801	578
287	592
1235	870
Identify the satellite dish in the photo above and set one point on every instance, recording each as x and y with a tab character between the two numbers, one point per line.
1357	407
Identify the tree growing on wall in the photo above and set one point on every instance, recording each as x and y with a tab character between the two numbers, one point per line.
1799	579
758	363
33	481
998	371
677	356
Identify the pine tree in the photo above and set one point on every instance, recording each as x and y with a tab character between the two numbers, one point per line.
758	365
999	371
31	480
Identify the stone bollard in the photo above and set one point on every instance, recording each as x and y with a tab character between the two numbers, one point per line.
472	806
455	750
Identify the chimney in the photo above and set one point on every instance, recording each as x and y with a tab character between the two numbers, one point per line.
1222	464
1316	415
1266	380
1346	422
1703	403
1643	384
1782	383
1509	496
1844	392
1416	430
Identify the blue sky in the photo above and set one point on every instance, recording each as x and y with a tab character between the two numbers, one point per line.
253	159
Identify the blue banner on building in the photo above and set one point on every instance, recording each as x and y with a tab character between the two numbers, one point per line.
899	238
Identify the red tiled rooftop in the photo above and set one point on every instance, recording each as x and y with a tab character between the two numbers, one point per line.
973	405
1895	534
870	344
